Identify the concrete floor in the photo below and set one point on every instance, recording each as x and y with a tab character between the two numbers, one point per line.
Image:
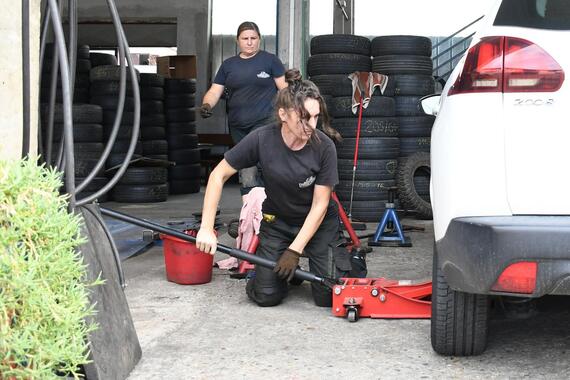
214	331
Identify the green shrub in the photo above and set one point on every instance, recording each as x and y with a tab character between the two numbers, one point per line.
43	296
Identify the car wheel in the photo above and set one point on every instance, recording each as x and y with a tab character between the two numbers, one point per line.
458	320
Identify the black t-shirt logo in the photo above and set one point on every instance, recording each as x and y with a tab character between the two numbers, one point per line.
308	182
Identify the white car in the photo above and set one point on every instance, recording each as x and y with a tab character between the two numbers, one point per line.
500	158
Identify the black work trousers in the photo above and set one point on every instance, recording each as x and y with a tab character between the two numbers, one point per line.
266	289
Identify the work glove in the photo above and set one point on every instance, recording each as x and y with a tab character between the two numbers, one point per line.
287	264
206	111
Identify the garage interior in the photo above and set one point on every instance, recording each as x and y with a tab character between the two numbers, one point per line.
154	328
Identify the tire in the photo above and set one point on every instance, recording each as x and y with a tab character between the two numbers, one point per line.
140	193
368	170
379	106
402	64
81	80
408	168
328	84
80	95
83	66
175	129
84	167
102	59
370	126
401	45
184	186
340	43
186	141
414	85
81	132
109	118
153	120
458	320
110	103
372	148
365	211
177	115
151	106
184	172
364	190
148	175
109	73
154	147
81	113
125	132
412	145
108	88
115	159
184	156
153	133
180	101
337	63
408	106
151	80
416	126
92	187
180	86
122	146
152	93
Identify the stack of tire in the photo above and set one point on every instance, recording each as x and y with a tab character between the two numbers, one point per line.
153	130
333	58
83	65
407	62
104	92
87	143
184	177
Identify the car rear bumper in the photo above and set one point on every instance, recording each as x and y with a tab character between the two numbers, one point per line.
475	251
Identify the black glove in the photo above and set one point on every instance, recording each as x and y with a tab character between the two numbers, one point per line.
206	111
287	264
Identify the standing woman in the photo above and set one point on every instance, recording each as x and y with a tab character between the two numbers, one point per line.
300	170
251	79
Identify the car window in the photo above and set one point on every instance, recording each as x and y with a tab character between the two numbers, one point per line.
539	14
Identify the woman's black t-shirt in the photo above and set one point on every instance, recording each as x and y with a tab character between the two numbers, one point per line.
289	176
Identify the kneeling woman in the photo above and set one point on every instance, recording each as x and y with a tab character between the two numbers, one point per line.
299	168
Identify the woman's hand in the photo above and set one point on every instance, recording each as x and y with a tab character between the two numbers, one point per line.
206	241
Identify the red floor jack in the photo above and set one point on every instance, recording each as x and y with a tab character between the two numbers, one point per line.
352	297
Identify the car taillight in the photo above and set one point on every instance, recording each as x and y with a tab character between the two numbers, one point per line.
508	64
517	278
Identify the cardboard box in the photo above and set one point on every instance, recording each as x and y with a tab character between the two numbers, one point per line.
177	66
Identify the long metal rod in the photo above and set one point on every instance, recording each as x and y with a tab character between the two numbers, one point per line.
234	252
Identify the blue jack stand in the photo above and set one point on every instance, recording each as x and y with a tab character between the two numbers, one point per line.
390	221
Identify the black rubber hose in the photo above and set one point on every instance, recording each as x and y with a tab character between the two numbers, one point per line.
137	109
72	45
67	117
116	122
26	76
234	252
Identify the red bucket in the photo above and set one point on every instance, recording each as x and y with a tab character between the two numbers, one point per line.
185	264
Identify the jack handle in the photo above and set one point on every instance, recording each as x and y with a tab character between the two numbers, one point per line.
234	252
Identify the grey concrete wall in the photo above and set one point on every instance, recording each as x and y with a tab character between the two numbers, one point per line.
11	76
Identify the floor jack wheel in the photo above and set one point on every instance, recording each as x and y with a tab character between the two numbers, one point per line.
352	314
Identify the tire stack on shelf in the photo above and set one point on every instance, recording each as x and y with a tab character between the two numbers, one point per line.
333	58
184	177
102	59
407	62
83	65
